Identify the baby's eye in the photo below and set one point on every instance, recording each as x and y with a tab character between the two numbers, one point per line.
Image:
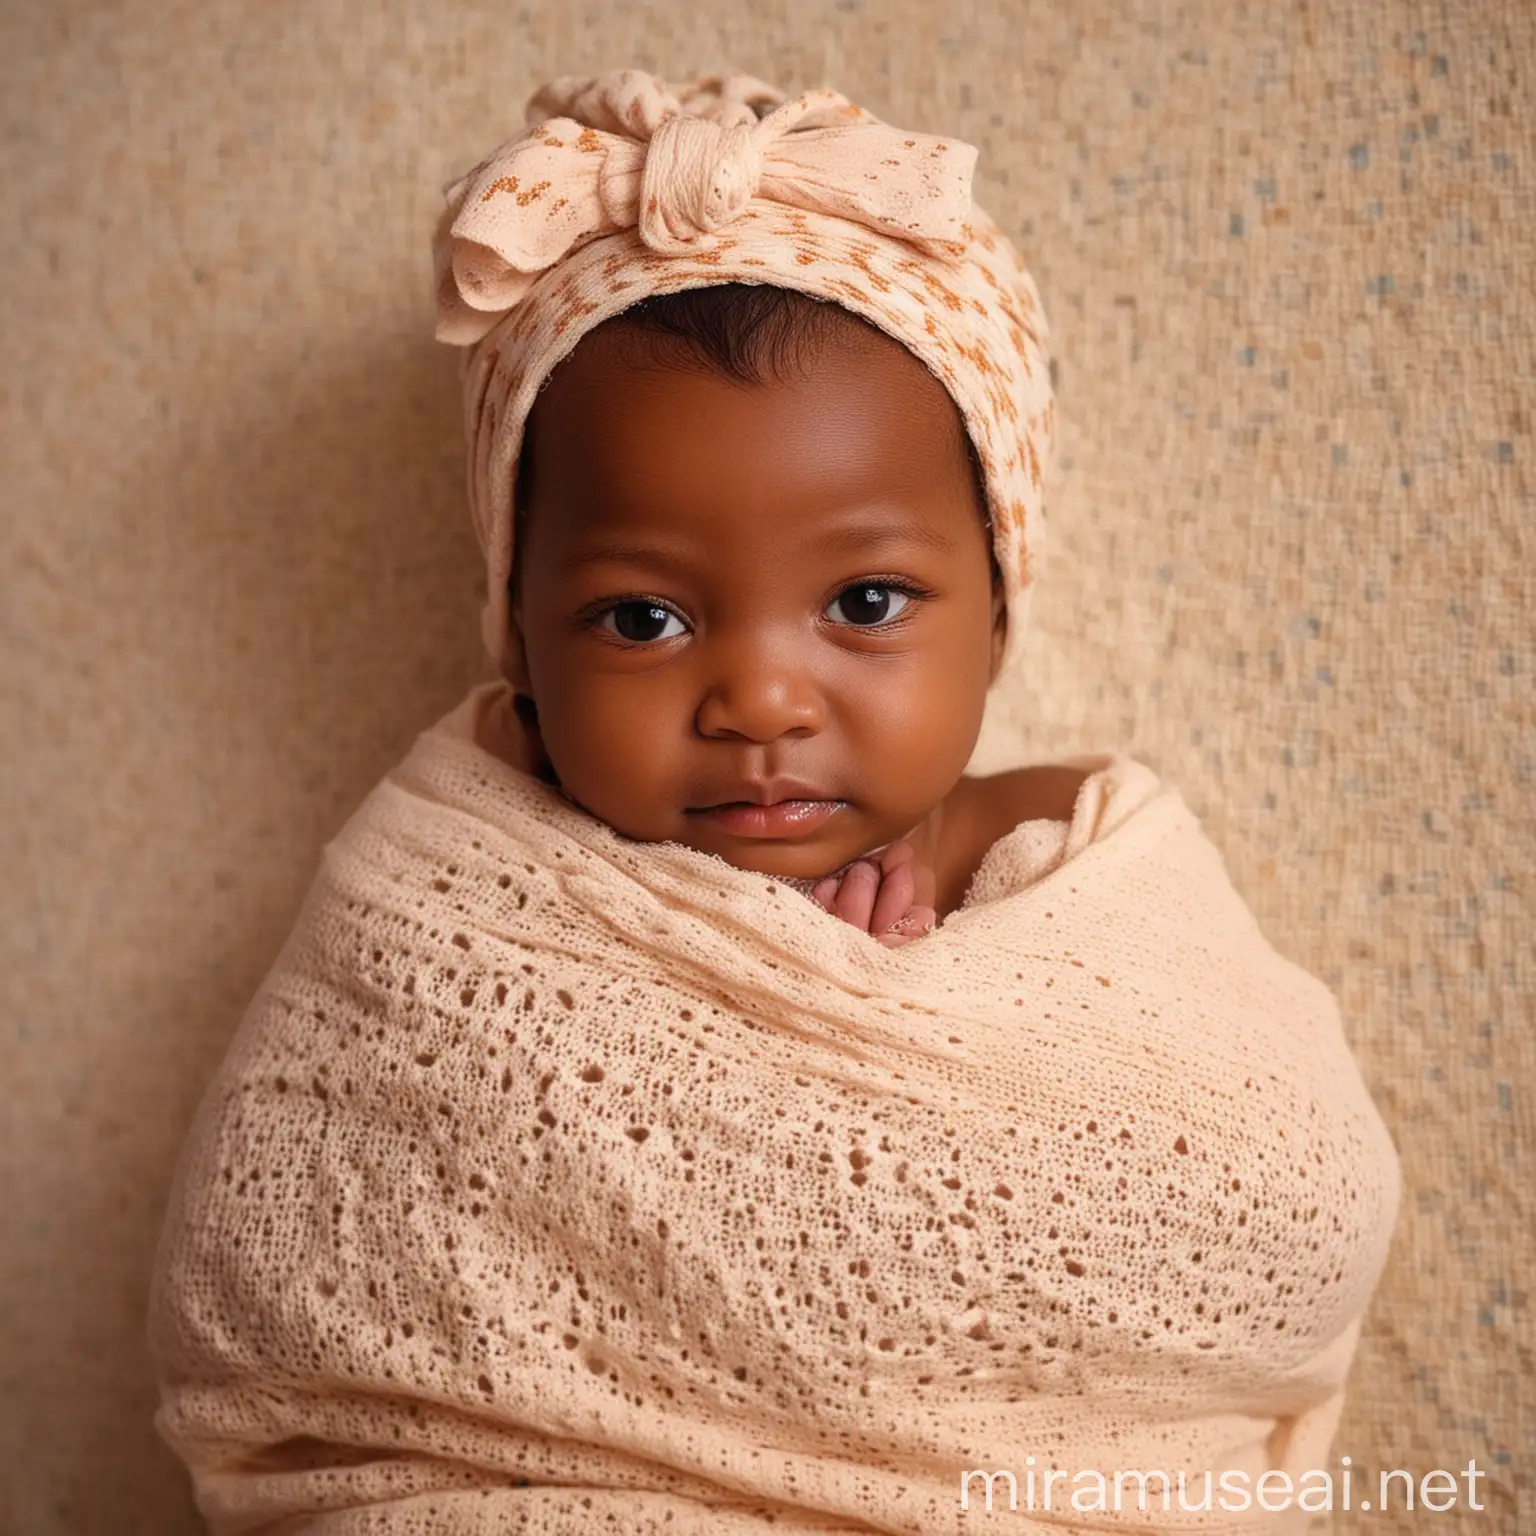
635	620
868	603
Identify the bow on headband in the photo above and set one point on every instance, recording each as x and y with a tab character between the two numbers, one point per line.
678	176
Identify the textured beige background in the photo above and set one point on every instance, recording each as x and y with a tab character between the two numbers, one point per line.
1287	251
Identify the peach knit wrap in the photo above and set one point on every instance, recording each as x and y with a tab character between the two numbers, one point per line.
560	1184
623	187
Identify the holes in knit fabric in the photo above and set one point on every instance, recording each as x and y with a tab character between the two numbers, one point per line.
489	1167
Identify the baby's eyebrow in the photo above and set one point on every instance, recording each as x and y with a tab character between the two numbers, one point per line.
624	554
866	535
840	539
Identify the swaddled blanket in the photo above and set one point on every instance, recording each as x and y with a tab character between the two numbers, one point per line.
557	1182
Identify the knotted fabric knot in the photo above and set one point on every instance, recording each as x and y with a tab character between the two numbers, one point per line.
622	151
698	176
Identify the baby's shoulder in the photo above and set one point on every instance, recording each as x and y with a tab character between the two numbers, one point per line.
983	810
1037	792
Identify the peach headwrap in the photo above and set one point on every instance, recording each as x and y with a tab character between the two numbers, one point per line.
623	187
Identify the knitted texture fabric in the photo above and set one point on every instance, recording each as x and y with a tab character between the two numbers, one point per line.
560	1183
623	187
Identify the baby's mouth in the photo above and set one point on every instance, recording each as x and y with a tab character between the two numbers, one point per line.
768	819
765	804
764	793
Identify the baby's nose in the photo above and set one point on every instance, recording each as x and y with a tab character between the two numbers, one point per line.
761	697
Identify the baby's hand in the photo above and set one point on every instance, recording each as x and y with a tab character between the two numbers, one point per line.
890	898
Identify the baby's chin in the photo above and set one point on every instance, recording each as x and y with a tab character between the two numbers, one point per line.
804	883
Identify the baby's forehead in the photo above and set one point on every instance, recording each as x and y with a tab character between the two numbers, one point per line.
689	437
710	429
853	395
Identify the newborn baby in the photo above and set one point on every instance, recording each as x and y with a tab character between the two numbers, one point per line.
755	607
566	1174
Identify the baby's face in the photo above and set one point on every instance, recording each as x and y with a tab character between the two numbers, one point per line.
720	582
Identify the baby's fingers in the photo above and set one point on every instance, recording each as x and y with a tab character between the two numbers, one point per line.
924	886
918	922
895	896
855	898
